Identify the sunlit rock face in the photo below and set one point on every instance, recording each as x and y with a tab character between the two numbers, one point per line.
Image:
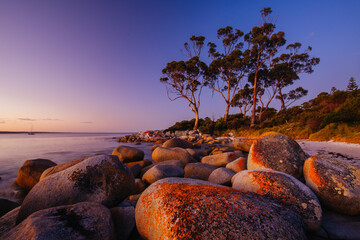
177	142
178	208
283	189
219	160
128	154
101	178
161	154
85	220
275	151
336	183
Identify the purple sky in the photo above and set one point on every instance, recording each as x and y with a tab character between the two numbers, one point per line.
95	65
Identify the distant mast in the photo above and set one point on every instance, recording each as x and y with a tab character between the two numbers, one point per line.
31	131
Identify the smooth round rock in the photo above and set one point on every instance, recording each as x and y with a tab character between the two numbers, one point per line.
274	151
244	143
128	154
30	172
177	142
85	220
336	183
162	171
237	165
219	160
284	189
176	208
60	167
198	171
102	178
161	154
221	176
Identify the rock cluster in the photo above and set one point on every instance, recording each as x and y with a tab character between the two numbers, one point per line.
183	192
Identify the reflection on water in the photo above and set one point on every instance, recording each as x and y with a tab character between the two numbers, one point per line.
57	147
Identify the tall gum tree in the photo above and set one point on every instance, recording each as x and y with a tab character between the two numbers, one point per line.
185	79
263	44
227	69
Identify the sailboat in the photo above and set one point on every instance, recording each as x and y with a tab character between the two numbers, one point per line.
31	131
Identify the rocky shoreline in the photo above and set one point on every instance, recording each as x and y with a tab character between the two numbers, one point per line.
195	186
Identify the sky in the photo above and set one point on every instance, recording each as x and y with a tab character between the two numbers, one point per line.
94	66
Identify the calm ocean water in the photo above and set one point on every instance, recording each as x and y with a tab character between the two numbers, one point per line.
57	147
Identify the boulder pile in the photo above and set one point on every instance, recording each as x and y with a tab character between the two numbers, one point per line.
194	187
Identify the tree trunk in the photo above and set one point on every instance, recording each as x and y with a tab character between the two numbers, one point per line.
196	125
254	101
281	96
227	111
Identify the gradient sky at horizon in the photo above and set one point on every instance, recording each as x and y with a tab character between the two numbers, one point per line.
94	66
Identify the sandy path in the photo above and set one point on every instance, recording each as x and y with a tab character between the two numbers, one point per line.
345	151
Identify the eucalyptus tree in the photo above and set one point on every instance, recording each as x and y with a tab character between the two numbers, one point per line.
185	79
227	68
263	44
286	68
243	99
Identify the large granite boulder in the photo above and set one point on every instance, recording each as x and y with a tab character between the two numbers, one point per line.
336	183
198	171
219	160
101	178
221	176
237	165
8	221
177	208
161	154
85	220
128	154
162	171
177	142
243	143
284	189
275	151
30	172
60	167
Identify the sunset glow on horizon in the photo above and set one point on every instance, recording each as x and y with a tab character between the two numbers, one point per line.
94	66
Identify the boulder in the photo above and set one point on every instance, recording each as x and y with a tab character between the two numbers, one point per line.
155	146
177	142
243	143
102	178
284	189
60	167
85	220
161	154
198	171
8	221
30	172
221	176
124	221
162	171
6	206
335	182
128	154
135	170
167	162
219	160
274	151
139	187
237	165
176	208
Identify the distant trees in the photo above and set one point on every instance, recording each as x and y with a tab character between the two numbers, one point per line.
228	68
186	79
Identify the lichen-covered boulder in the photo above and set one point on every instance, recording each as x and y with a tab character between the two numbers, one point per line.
177	142
237	165
85	220
30	172
161	154
284	189
336	183
102	178
176	208
221	176
274	151
219	160
128	154
244	143
162	171
198	171
60	167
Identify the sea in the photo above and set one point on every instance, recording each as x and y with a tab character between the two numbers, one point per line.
16	148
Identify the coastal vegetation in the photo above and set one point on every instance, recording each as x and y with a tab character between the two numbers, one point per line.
250	71
331	115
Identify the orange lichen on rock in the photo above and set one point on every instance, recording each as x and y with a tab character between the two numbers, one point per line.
310	170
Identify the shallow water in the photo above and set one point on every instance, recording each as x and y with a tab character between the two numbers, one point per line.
57	147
